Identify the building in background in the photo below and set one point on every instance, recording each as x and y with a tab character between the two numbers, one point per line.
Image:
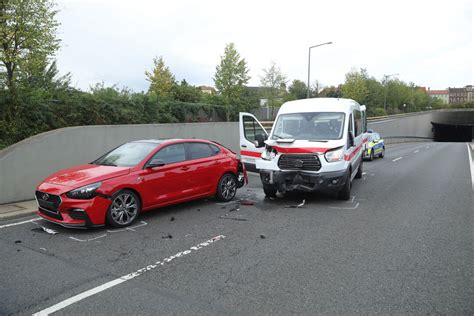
442	95
207	89
460	95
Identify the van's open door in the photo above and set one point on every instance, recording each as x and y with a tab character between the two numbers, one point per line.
249	128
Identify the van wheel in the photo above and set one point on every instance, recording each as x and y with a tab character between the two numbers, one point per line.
270	190
360	170
371	155
226	188
345	193
382	153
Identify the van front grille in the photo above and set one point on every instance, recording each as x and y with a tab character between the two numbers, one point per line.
308	162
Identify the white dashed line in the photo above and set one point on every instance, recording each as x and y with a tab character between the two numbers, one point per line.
90	239
20	223
108	285
345	208
416	151
397	158
471	166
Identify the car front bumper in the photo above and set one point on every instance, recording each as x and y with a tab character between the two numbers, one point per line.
76	213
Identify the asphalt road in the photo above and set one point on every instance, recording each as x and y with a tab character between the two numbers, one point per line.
403	244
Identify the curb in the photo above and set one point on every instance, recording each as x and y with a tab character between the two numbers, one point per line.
15	210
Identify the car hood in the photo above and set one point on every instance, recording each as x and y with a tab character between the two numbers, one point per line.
78	176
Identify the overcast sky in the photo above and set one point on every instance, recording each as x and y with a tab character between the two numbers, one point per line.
429	43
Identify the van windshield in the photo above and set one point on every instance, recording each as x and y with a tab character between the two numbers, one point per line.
315	126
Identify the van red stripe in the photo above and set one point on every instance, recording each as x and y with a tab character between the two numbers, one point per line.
250	153
353	153
303	150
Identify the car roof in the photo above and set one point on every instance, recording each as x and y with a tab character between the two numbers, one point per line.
170	140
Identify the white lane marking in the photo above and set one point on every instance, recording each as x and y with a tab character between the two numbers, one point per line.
90	239
397	158
379	122
345	208
20	223
127	277
131	228
364	173
471	166
416	151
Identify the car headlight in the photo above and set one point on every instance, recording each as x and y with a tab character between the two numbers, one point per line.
84	193
269	153
334	155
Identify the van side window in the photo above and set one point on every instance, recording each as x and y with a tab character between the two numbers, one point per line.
358	123
252	129
351	129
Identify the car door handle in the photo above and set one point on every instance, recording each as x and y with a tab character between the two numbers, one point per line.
245	146
184	168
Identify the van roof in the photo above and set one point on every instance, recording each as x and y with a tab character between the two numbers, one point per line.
318	104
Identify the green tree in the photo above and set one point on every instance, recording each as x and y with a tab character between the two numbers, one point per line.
231	77
355	86
273	83
29	42
186	93
298	89
161	79
330	92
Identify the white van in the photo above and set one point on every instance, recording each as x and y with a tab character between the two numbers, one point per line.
314	145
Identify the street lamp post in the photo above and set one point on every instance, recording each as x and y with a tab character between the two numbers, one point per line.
309	63
385	86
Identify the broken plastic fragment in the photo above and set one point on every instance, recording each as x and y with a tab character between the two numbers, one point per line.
296	206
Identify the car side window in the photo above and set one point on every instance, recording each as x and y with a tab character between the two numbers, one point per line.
200	150
171	154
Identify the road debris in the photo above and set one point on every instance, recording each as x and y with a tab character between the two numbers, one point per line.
234	218
247	202
17	241
172	218
263	236
167	236
296	206
235	209
199	210
45	229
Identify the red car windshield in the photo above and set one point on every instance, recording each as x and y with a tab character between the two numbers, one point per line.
127	155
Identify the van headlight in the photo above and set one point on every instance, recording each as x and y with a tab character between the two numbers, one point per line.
84	193
335	155
269	153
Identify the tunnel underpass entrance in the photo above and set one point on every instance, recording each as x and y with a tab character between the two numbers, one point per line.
452	132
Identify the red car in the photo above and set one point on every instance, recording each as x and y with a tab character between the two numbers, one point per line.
139	176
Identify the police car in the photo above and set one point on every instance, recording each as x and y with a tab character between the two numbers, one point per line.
375	146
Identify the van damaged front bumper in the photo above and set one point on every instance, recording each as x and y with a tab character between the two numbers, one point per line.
286	181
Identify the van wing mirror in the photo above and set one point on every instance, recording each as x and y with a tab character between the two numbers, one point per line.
155	163
260	140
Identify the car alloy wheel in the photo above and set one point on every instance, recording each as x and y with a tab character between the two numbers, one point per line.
227	187
124	209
